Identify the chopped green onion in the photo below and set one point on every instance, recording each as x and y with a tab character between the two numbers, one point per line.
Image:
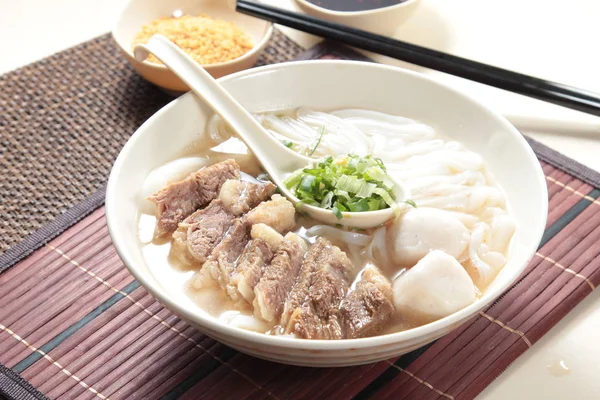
359	206
386	196
355	185
375	173
375	204
327	200
287	143
340	206
342	194
307	183
294	179
318	141
411	203
350	183
337	212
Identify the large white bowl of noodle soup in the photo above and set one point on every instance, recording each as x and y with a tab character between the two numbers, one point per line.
330	85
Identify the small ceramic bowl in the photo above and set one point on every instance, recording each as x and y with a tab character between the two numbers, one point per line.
384	21
139	12
330	85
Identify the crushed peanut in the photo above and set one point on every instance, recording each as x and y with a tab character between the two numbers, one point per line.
205	39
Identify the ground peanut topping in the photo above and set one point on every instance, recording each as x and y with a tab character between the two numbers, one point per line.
205	39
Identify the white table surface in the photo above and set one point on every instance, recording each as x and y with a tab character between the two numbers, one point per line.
556	40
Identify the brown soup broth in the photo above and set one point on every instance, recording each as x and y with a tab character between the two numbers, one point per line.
354	5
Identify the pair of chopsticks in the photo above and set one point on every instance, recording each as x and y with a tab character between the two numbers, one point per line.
552	92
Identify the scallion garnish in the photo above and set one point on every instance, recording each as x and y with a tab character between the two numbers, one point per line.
318	142
411	203
349	183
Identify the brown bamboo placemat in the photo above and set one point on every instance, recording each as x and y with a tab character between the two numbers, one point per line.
75	324
63	121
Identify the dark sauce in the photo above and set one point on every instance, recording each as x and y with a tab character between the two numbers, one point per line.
354	5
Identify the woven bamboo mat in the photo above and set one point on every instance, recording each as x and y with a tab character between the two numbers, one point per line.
63	121
75	324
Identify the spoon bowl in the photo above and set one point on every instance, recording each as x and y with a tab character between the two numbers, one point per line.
277	160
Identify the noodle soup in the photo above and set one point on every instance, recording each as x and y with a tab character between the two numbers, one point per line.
241	253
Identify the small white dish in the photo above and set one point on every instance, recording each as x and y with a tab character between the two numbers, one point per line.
331	85
384	21
136	13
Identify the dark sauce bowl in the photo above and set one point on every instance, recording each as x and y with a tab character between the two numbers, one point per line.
377	16
354	5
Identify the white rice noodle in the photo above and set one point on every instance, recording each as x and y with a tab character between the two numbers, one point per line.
426	183
352	238
248	322
311	133
410	133
356	254
439	191
395	150
376	123
468	200
373	115
307	136
503	228
467	219
485	263
284	128
337	129
381	145
378	250
455	161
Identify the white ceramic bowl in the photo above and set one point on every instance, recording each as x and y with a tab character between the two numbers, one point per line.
139	12
331	85
383	21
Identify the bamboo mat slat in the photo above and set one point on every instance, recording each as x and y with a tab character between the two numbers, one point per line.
75	324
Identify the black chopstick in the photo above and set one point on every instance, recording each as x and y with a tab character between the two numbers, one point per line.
552	92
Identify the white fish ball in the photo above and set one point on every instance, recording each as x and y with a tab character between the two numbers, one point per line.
434	288
421	230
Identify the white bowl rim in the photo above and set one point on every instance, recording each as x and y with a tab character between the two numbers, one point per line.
374	11
322	345
256	48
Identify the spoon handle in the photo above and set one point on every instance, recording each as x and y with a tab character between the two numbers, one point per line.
274	156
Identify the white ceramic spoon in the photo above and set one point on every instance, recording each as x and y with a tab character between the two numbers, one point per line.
277	160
